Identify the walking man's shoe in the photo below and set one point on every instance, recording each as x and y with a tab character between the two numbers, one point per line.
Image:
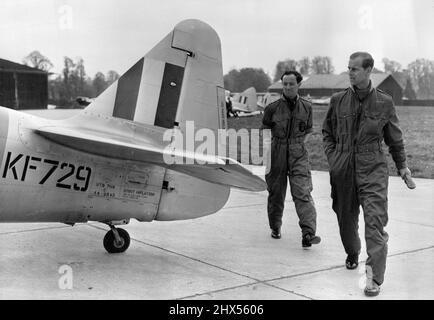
308	240
352	261
275	233
372	289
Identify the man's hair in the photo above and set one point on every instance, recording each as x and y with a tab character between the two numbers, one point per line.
368	61
297	75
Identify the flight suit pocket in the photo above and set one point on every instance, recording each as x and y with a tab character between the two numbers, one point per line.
366	158
330	155
333	160
365	163
345	122
279	128
345	125
298	160
297	151
300	126
374	123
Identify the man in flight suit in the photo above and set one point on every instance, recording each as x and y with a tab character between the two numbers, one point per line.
290	121
229	109
358	120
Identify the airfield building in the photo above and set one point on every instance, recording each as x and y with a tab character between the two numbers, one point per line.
325	85
22	87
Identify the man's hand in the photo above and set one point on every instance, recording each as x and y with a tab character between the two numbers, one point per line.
266	145
405	174
404	171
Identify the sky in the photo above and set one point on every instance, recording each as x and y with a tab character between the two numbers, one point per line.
114	34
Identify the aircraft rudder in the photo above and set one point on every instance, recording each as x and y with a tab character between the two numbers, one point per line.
178	80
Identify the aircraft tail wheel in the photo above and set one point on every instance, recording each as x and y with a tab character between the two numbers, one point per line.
116	243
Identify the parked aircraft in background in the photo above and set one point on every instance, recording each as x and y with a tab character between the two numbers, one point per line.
266	99
84	101
321	101
109	162
245	101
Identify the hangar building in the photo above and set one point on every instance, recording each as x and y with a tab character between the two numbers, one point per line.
22	87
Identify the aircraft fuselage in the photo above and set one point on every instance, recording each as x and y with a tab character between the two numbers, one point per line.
43	181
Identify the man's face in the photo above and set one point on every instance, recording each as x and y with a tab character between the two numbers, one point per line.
358	75
290	86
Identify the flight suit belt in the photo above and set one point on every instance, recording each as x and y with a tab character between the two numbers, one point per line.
369	147
289	141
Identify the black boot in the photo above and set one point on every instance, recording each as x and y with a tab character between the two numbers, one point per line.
308	240
275	233
352	261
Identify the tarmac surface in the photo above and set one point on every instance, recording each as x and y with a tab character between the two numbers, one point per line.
228	255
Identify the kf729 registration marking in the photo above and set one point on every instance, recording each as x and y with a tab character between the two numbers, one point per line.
80	175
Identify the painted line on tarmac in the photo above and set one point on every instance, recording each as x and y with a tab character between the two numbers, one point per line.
410	251
256	281
242	286
243	206
304	274
31	230
415	223
309	272
252	205
343	266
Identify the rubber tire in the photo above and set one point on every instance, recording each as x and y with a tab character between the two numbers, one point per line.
110	244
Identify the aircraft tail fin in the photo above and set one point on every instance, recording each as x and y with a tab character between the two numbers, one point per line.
179	80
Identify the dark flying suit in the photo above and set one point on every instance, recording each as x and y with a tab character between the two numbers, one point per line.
289	122
353	131
229	109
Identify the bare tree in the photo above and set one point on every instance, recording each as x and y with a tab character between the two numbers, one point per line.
112	76
75	81
239	80
305	65
421	73
391	66
36	60
68	66
99	83
80	74
282	66
409	92
322	65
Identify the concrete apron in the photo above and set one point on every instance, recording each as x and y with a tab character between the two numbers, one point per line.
228	255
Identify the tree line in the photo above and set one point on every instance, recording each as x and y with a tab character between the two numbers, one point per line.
417	79
72	82
239	80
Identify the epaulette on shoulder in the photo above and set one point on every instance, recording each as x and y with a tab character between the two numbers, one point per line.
384	92
340	93
305	100
273	104
384	95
